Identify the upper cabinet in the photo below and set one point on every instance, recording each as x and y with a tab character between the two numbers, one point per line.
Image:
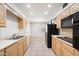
66	13
22	23
58	21
74	8
2	16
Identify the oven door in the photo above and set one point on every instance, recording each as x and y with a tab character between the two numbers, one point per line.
76	37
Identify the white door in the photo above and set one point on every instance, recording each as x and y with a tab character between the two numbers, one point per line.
38	30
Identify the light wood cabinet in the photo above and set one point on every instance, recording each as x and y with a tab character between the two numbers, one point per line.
53	43
61	48
11	51
74	8
25	45
66	53
22	23
66	13
21	48
76	52
58	21
58	47
69	48
58	50
2	53
2	16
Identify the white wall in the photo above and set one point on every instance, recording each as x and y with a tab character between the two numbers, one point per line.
11	26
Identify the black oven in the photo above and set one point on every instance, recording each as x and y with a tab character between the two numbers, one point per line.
76	30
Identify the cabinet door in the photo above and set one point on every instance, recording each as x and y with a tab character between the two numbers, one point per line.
11	51
66	53
58	20
2	16
2	53
22	23
76	52
25	45
21	49
66	13
58	49
53	44
68	48
74	8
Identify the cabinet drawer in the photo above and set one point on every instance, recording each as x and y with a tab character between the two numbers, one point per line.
66	53
68	48
58	41
2	53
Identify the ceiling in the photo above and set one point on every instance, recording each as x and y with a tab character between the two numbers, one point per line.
39	11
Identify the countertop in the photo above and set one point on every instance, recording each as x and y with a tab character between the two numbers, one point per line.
8	42
62	39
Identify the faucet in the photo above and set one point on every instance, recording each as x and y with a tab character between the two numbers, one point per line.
15	35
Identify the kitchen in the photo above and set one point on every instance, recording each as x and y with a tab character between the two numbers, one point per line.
18	35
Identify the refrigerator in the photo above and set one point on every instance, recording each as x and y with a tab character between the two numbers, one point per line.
51	29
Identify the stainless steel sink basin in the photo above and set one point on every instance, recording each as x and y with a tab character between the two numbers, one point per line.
17	37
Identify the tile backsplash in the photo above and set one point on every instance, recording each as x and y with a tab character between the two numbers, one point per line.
68	32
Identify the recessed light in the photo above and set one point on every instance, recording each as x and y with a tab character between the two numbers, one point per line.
28	6
49	5
32	13
46	12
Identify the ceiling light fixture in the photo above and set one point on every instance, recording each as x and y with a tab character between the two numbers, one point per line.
49	5
28	6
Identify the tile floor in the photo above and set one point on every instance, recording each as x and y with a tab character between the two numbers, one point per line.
38	48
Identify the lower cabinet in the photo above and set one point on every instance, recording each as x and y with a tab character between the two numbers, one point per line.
61	48
25	45
76	52
17	49
58	50
2	53
11	50
68	48
66	53
21	48
58	47
53	44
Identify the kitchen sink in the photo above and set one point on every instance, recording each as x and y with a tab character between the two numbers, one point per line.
17	37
